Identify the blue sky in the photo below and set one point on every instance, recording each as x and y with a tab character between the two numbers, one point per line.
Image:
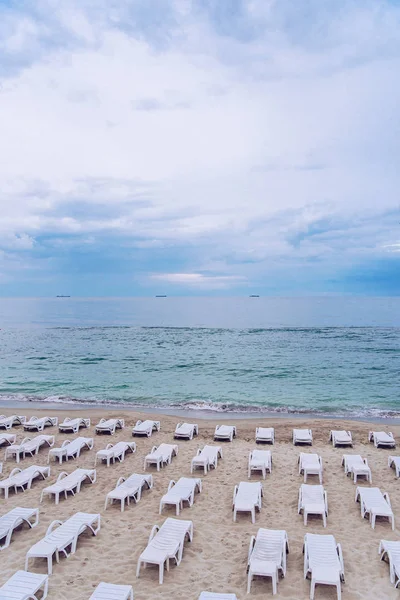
199	147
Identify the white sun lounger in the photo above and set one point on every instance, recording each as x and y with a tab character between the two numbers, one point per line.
24	586
111	591
310	464
246	498
8	422
166	543
22	478
7	438
206	458
341	438
267	556
260	460
225	432
109	425
128	488
160	455
302	436
374	503
13	519
391	551
179	492
29	446
186	430
356	466
69	482
113	452
70	449
394	461
313	500
216	596
73	425
381	438
39	423
146	427
60	535
265	434
323	560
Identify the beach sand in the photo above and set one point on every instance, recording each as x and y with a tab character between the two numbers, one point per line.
216	559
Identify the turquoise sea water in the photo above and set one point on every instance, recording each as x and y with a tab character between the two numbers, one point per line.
325	355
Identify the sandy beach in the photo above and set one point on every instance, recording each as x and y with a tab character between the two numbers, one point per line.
216	559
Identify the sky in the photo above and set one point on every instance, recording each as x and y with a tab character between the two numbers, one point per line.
199	147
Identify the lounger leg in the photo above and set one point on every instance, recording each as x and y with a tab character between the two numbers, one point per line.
138	568
253	515
373	518
324	519
339	591
274	586
305	514
312	589
161	573
50	565
249	579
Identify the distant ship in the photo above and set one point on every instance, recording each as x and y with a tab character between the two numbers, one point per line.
63	296
254	296
161	296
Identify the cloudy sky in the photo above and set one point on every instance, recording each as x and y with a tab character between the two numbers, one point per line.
199	147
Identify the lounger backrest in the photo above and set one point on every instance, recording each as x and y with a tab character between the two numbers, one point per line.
263	455
322	551
270	545
312	493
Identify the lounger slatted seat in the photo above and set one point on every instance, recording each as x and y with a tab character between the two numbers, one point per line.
13	519
246	498
391	551
313	500
341	438
39	423
356	466
323	561
166	543
394	462
146	427
7	439
375	504
25	586
186	430
70	449
111	591
267	556
381	438
161	455
183	490
225	432
206	458
265	435
73	425
260	460
216	596
109	425
30	446
69	482
302	436
21	479
129	488
113	452
310	464
13	420
60	535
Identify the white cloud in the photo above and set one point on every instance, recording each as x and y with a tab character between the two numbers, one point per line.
200	280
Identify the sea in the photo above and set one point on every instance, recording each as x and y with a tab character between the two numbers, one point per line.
327	356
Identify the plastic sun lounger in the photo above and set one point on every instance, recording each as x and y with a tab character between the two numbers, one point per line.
225	432
206	458
73	425
13	519
186	430
166	543
310	464
323	560
70	449
246	498
381	438
356	466
161	455
69	482
111	591
113	452
216	596
39	423
109	425
24	586
394	461
8	422
267	556
29	446
391	551
183	490
374	503
265	434
313	500
60	535
127	488
341	438
302	436
260	460
7	438
146	427
22	478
